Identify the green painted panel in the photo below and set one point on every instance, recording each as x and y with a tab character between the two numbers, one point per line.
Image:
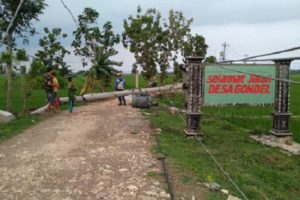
223	86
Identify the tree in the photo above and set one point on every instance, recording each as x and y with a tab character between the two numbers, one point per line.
37	68
210	59
16	57
171	40
19	56
141	36
26	87
21	28
1	69
97	46
23	69
194	46
178	75
155	45
53	53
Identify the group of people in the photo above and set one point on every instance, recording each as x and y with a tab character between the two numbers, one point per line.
51	86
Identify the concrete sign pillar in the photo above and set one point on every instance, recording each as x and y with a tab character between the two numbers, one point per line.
281	114
195	87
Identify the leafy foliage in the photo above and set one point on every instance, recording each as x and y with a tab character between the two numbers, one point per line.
155	45
210	59
141	36
21	28
53	53
195	46
97	45
37	69
178	72
1	69
173	38
26	88
16	57
23	69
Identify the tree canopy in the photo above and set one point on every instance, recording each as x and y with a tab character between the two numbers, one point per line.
158	45
52	52
97	45
21	28
141	36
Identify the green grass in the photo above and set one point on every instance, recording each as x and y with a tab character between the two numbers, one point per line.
295	96
260	172
16	126
38	97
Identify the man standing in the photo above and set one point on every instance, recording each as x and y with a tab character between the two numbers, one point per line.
55	84
48	86
71	94
120	86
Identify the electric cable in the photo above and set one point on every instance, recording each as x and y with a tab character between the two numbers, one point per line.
70	12
214	159
263	55
269	77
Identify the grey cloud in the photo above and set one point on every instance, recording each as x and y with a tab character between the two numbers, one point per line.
250	26
204	12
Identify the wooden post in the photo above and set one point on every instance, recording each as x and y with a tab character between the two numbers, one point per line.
281	114
137	79
195	75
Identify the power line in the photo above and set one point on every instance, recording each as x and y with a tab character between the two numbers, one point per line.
263	55
274	53
274	59
234	51
294	59
213	158
70	12
269	77
11	22
222	169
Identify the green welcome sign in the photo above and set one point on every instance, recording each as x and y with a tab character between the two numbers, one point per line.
227	84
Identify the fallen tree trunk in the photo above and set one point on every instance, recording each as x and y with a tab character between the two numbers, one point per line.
107	95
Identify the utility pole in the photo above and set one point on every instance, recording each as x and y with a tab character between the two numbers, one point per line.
136	79
223	53
246	56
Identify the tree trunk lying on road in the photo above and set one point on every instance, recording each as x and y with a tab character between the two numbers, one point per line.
106	95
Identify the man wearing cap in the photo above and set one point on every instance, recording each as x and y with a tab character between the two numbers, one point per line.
120	86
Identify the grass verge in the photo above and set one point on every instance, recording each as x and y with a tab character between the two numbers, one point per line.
260	172
17	126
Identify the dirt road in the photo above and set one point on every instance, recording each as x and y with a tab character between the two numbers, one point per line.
102	151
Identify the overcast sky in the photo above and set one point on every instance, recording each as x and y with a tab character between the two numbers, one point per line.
250	27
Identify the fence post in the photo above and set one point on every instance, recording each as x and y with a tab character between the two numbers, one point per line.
136	79
281	114
195	74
